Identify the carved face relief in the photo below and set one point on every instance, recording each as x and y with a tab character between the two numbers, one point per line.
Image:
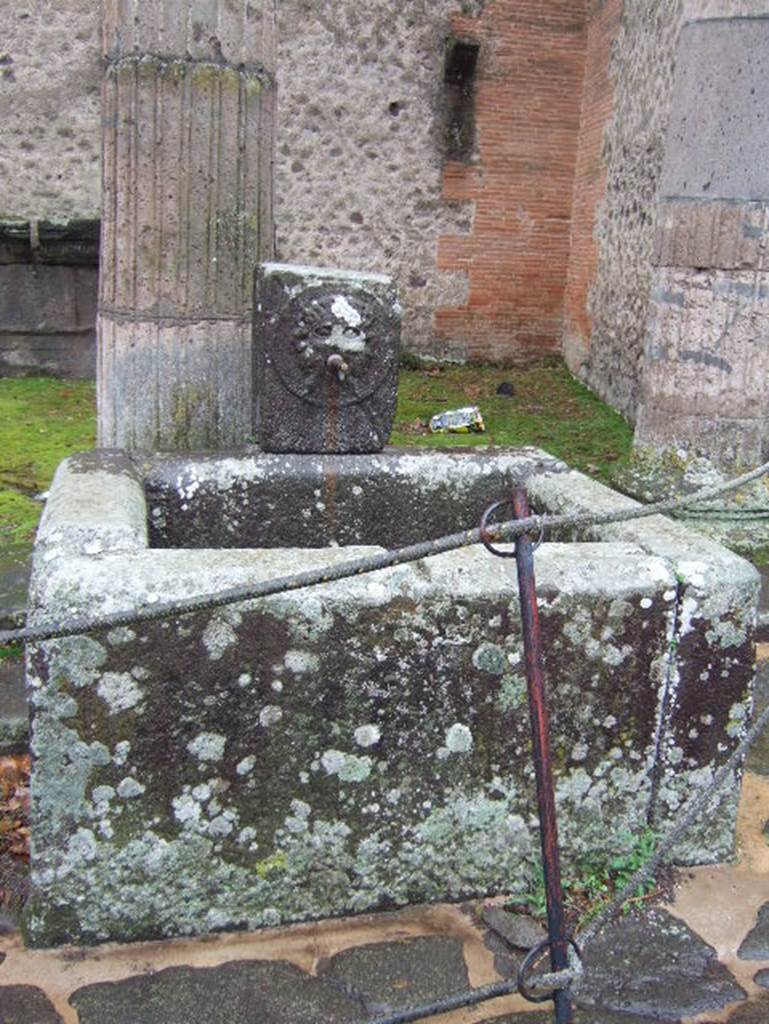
326	344
331	345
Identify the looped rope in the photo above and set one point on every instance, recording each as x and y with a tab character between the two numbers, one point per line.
553	981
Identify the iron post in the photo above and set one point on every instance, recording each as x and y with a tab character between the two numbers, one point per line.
540	734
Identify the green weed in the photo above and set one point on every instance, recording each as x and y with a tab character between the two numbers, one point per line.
593	883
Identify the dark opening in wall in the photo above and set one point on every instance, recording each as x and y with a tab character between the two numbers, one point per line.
459	80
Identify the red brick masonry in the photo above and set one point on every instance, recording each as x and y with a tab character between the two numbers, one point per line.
543	95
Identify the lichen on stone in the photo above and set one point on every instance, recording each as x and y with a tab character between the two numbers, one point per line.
347	767
459	739
208	746
119	691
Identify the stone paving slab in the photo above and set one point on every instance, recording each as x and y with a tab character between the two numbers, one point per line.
509	936
546	1017
644	969
390	976
25	1004
756	1012
655	966
581	1016
258	992
756	943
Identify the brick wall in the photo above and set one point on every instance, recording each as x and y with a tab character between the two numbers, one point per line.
604	20
527	108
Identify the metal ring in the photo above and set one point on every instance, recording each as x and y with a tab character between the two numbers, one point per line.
484	531
528	962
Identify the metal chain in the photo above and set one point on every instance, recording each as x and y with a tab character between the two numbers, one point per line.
371	563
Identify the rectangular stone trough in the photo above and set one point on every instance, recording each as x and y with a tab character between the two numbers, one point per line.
363	744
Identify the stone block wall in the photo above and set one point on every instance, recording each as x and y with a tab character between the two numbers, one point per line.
621	222
48	280
705	370
608	349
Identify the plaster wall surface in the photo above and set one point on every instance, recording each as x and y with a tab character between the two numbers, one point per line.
361	144
50	130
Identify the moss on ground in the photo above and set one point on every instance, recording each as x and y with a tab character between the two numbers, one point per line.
43	420
548	409
760	556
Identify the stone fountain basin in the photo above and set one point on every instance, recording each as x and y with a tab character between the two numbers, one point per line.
363	744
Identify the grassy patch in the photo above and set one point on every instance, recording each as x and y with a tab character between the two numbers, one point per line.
759	556
41	422
549	409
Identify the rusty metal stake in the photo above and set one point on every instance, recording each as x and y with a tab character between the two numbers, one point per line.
558	943
540	733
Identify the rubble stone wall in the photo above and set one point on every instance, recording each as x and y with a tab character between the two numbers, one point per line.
610	355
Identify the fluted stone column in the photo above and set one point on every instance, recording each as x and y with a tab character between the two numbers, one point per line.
187	214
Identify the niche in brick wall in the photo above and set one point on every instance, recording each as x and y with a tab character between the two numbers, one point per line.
459	83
